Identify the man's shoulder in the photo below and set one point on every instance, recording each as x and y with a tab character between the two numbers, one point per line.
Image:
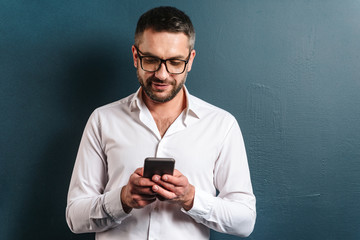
208	109
120	105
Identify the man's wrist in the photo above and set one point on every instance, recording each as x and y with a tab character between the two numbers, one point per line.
188	204
125	207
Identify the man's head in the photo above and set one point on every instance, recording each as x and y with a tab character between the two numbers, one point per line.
163	52
165	19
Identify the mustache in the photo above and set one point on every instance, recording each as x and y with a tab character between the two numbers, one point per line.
157	80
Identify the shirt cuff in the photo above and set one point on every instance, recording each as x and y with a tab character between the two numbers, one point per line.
113	206
203	203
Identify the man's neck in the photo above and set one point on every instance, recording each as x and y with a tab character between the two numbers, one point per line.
166	113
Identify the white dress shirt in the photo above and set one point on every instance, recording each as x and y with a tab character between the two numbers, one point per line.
208	148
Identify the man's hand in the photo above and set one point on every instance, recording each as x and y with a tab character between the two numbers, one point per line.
175	188
138	192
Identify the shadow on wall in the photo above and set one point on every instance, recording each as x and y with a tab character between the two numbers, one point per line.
89	77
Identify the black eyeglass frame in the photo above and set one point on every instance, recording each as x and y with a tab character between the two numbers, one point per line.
162	61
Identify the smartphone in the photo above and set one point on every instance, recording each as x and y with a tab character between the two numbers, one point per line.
159	166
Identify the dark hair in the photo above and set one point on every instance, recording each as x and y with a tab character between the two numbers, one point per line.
167	19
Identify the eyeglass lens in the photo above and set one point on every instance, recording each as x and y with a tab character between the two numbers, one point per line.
153	64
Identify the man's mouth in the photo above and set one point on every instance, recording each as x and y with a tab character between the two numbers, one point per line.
160	86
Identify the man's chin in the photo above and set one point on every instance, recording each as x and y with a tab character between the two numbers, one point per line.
162	95
160	98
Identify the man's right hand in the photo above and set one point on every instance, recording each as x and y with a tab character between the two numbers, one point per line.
137	193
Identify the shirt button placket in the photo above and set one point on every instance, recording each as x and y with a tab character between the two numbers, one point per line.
160	148
155	224
155	215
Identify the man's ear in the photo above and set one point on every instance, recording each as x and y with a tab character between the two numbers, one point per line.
191	60
135	56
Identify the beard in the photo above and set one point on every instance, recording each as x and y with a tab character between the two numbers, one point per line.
146	85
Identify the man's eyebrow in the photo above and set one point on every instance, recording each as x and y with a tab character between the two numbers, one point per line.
148	54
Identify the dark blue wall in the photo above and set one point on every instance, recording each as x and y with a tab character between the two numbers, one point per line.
288	70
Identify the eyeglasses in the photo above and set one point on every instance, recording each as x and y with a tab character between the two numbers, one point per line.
153	64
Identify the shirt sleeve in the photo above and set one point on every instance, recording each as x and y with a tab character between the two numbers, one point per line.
233	211
89	209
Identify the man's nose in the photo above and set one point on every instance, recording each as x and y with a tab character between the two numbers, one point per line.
162	73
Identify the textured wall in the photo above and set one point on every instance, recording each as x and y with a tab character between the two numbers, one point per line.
288	71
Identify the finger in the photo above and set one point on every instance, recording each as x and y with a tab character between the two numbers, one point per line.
177	173
142	191
168	186
178	180
163	192
139	171
147	197
140	181
142	202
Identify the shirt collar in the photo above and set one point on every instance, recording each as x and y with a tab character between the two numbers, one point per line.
192	109
136	101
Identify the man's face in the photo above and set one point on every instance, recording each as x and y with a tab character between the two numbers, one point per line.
162	86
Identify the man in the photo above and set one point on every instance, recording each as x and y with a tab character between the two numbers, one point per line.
108	194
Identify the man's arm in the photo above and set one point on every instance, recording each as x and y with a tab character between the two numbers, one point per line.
233	210
89	209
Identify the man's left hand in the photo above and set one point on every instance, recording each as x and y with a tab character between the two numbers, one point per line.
175	188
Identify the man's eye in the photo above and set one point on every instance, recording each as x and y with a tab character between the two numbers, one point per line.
150	60
175	62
